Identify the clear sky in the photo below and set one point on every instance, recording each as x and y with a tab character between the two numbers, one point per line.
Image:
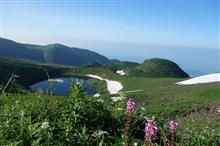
180	30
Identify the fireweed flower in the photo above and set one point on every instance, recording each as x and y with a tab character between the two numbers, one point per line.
173	126
130	105
150	130
130	108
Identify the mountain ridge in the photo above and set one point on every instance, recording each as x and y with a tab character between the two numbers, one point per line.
61	54
51	53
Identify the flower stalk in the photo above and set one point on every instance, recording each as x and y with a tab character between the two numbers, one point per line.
150	131
130	108
173	125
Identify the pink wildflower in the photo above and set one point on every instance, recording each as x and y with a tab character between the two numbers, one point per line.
130	106
150	129
173	126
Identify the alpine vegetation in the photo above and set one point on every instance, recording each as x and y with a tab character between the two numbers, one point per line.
78	119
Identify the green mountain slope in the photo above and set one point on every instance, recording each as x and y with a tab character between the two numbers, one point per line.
29	71
10	48
157	67
126	66
53	53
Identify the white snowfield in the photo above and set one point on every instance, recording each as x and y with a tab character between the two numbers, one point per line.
113	87
120	72
215	77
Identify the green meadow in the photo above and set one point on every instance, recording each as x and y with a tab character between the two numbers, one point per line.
36	118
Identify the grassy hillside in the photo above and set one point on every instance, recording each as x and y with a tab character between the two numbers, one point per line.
34	118
126	66
31	72
153	90
194	105
53	53
157	67
82	120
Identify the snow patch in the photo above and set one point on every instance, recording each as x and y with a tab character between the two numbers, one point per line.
120	72
56	80
113	87
215	77
95	77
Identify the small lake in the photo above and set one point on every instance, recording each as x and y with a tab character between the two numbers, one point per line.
61	86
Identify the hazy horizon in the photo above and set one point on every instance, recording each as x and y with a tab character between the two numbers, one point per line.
184	32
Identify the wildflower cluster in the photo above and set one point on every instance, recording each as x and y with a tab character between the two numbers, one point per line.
150	130
130	106
173	126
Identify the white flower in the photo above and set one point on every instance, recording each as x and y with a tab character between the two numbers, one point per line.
218	110
120	109
119	98
135	144
96	95
213	130
143	108
100	100
22	113
45	124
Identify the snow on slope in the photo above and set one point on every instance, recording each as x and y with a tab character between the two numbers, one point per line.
120	72
215	77
113	87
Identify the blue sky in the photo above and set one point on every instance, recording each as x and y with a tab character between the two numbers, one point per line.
184	31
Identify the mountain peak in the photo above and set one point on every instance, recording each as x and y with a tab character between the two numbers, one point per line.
56	45
158	67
